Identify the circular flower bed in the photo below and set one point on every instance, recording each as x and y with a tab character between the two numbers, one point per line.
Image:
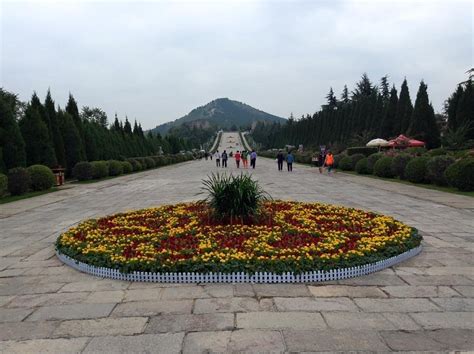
288	237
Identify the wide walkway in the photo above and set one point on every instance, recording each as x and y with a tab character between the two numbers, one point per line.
425	303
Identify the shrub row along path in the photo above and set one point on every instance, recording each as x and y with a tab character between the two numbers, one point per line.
425	303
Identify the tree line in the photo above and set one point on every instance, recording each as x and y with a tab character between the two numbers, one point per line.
371	111
39	133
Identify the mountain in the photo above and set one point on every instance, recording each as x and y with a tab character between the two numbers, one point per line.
221	113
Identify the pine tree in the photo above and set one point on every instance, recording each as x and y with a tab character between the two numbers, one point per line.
465	109
423	122
387	128
385	88
54	131
135	129
73	111
451	107
345	95
127	128
331	99
11	140
38	146
72	140
364	88
116	125
404	110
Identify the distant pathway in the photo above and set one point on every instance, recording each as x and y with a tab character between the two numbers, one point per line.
425	303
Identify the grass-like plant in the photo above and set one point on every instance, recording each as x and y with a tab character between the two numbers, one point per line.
234	197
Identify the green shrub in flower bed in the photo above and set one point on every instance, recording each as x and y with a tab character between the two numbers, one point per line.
18	181
115	168
100	169
416	151
41	177
127	167
136	165
361	167
415	170
399	163
337	159
356	158
372	159
437	152
345	164
3	184
364	150
83	171
461	174
150	163
383	167
435	168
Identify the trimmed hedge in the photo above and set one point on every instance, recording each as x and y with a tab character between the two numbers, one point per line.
346	164
18	181
136	165
127	167
356	158
399	163
364	150
437	152
372	159
461	174
361	167
383	167
100	169
150	163
115	168
337	159
41	177
3	184
83	171
435	168
415	170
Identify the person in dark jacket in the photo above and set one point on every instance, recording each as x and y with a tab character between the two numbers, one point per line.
280	158
224	159
289	161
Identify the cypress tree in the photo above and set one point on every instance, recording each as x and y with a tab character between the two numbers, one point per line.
404	110
127	128
465	109
73	111
72	140
38	146
331	99
423	122
451	107
11	140
54	131
385	89
345	95
387	128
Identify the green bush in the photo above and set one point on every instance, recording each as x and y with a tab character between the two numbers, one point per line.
41	177
355	158
100	169
415	170
399	163
142	162
383	167
136	165
435	168
18	181
3	184
345	163
461	174
150	163
364	150
127	167
337	159
372	159
234	196
361	167
437	152
416	151
83	171
115	168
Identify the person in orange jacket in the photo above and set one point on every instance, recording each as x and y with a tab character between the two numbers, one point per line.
329	161
237	159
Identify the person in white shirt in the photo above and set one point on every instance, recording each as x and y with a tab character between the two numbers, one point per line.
217	156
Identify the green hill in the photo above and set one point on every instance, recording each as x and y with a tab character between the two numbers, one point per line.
221	113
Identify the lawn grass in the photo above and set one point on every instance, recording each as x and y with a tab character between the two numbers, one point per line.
422	185
14	198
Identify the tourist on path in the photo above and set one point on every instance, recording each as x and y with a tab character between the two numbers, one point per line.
289	161
280	159
217	156
244	156
237	159
253	158
329	161
224	159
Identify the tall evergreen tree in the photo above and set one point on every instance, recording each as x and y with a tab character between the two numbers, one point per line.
465	109
387	128
331	99
72	140
127	127
73	111
11	140
385	88
345	95
54	130
38	146
423	122
451	107
404	110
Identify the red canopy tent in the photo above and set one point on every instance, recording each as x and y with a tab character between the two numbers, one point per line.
403	141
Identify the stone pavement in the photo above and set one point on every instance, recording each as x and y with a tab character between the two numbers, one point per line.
425	303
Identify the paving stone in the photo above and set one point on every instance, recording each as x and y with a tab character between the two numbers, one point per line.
71	312
408	341
436	320
312	304
101	327
245	290
333	340
419	291
401	321
206	342
375	279
280	320
145	343
346	291
104	297
26	330
256	341
143	294
449	270
219	290
191	323
14	315
396	305
60	346
446	280
95	285
48	299
281	290
30	288
357	320
236	304
188	292
467	291
454	339
455	304
4	300
152	308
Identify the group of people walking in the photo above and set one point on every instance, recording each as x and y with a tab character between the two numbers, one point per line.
239	156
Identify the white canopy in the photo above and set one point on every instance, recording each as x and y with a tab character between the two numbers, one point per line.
378	142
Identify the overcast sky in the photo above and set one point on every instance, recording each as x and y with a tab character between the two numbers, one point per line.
157	60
